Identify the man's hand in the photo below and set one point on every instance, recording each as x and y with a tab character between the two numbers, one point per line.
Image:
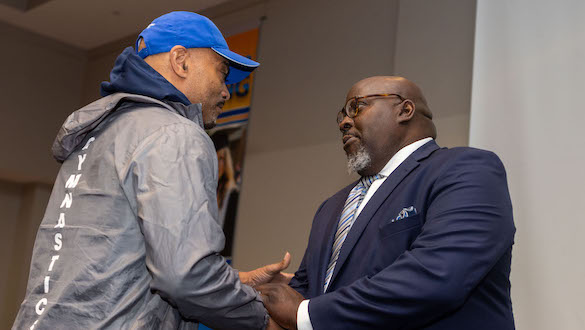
282	303
268	274
273	325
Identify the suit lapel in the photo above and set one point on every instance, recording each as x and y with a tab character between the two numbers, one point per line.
329	235
375	202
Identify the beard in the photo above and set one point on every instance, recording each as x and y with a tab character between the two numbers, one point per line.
210	114
359	160
209	125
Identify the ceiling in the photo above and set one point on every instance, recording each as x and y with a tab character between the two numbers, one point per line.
87	24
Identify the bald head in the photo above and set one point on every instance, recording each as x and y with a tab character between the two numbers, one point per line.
421	124
394	84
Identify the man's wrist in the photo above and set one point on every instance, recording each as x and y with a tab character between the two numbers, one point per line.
303	318
266	320
242	277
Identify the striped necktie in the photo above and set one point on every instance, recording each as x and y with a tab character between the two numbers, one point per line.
355	198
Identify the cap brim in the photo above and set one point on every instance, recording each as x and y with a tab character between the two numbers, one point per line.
240	66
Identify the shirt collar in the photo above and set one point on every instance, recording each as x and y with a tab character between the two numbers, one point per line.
401	155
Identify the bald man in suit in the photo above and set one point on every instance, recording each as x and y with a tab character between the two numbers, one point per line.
422	240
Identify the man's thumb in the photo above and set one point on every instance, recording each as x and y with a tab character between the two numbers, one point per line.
279	266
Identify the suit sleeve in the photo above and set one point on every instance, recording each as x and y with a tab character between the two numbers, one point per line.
468	228
300	282
173	177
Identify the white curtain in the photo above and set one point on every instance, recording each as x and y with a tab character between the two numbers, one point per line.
528	105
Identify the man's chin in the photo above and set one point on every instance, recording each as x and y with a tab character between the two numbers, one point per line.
358	160
211	116
209	125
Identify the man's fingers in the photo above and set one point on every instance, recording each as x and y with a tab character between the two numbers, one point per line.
265	298
283	278
287	277
265	290
262	290
272	325
263	295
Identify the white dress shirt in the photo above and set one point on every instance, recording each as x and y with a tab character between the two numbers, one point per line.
303	319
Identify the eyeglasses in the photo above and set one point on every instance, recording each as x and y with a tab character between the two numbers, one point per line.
356	104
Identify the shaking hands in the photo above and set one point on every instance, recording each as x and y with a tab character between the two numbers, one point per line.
281	301
268	274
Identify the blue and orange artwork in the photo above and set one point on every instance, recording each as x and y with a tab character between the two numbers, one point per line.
237	109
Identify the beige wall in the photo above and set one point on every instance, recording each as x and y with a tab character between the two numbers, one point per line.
40	86
311	53
23	206
231	18
294	159
10	202
281	192
434	48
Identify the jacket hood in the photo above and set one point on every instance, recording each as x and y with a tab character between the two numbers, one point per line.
83	121
131	74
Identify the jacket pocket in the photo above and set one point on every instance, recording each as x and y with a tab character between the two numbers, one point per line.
389	228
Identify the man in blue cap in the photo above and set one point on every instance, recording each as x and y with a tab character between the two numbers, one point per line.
130	238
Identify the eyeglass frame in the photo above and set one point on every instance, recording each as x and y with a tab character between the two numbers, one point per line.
343	112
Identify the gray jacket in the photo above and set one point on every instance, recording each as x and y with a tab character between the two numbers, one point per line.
130	238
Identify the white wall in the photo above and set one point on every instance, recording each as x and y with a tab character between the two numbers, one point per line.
527	106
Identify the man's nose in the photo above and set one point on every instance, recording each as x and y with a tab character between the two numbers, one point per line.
225	93
346	124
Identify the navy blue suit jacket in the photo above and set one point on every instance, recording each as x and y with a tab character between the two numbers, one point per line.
445	264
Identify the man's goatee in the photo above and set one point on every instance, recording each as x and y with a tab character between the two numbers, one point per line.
358	161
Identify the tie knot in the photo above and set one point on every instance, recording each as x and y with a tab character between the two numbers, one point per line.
367	181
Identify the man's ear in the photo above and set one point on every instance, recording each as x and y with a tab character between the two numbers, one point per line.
407	109
178	60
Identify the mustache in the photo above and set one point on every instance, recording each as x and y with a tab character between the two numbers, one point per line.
346	132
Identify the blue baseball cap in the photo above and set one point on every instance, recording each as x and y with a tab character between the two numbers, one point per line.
192	31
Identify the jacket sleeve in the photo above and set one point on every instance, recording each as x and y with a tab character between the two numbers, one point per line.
468	229
300	281
172	175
